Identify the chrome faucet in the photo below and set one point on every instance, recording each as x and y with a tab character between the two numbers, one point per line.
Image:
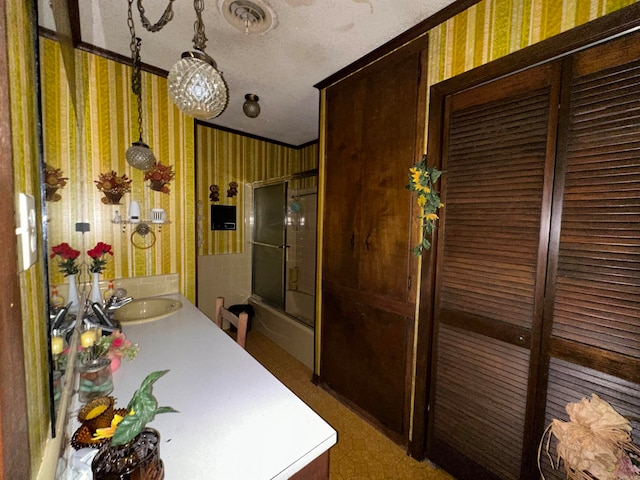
58	316
61	323
116	302
103	320
103	313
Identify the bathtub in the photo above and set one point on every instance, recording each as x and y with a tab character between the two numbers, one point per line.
301	305
284	330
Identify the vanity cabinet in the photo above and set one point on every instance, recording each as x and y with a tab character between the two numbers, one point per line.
374	122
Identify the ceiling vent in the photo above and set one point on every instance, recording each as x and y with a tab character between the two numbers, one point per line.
249	16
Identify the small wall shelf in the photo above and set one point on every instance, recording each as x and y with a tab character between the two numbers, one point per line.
149	223
141	228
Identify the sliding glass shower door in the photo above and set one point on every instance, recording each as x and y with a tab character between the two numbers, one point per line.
269	243
284	246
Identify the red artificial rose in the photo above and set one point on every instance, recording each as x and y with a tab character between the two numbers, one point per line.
68	256
100	249
65	251
97	253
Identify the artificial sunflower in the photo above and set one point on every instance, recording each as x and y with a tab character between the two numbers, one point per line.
421	181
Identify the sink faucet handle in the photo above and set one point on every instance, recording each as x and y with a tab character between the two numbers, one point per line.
110	301
59	318
103	318
120	292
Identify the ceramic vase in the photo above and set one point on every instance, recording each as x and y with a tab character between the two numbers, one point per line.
73	294
96	297
111	198
156	185
51	195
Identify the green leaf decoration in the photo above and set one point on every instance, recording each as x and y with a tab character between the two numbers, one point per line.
421	181
166	410
142	408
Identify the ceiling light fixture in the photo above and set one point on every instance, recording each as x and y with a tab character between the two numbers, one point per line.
248	12
195	85
138	155
248	16
251	107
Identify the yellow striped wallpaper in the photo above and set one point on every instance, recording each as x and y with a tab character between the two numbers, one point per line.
482	33
22	75
223	157
494	28
110	126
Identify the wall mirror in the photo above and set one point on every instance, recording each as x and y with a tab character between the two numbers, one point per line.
54	178
89	118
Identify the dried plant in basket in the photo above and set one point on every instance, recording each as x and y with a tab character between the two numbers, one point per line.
595	443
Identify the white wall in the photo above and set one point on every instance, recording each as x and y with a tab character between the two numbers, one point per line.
227	276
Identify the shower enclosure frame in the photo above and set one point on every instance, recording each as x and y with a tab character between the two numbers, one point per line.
270	274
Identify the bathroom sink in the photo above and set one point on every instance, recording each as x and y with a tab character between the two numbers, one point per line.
146	310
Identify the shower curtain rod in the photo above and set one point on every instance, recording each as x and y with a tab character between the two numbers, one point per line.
295	176
295	197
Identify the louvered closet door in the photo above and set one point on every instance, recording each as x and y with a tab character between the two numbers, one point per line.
594	287
498	163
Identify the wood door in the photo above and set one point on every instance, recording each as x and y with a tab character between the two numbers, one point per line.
492	250
391	144
586	338
592	316
365	360
343	184
375	124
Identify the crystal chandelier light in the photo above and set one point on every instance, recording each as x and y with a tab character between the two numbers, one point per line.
195	85
138	155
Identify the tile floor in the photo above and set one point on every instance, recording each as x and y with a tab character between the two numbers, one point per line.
361	452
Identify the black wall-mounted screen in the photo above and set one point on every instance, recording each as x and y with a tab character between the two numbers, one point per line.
223	217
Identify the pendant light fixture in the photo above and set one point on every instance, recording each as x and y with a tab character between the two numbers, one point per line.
138	155
195	85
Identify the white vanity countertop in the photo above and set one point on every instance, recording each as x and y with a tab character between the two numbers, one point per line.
236	420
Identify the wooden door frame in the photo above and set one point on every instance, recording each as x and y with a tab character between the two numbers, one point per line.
14	438
599	30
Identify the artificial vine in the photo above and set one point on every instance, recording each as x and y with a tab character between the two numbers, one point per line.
421	181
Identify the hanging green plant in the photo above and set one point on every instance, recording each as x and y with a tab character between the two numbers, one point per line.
421	181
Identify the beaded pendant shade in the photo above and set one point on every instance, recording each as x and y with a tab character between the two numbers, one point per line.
138	155
195	84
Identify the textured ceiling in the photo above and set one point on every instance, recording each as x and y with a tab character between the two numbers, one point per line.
311	40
